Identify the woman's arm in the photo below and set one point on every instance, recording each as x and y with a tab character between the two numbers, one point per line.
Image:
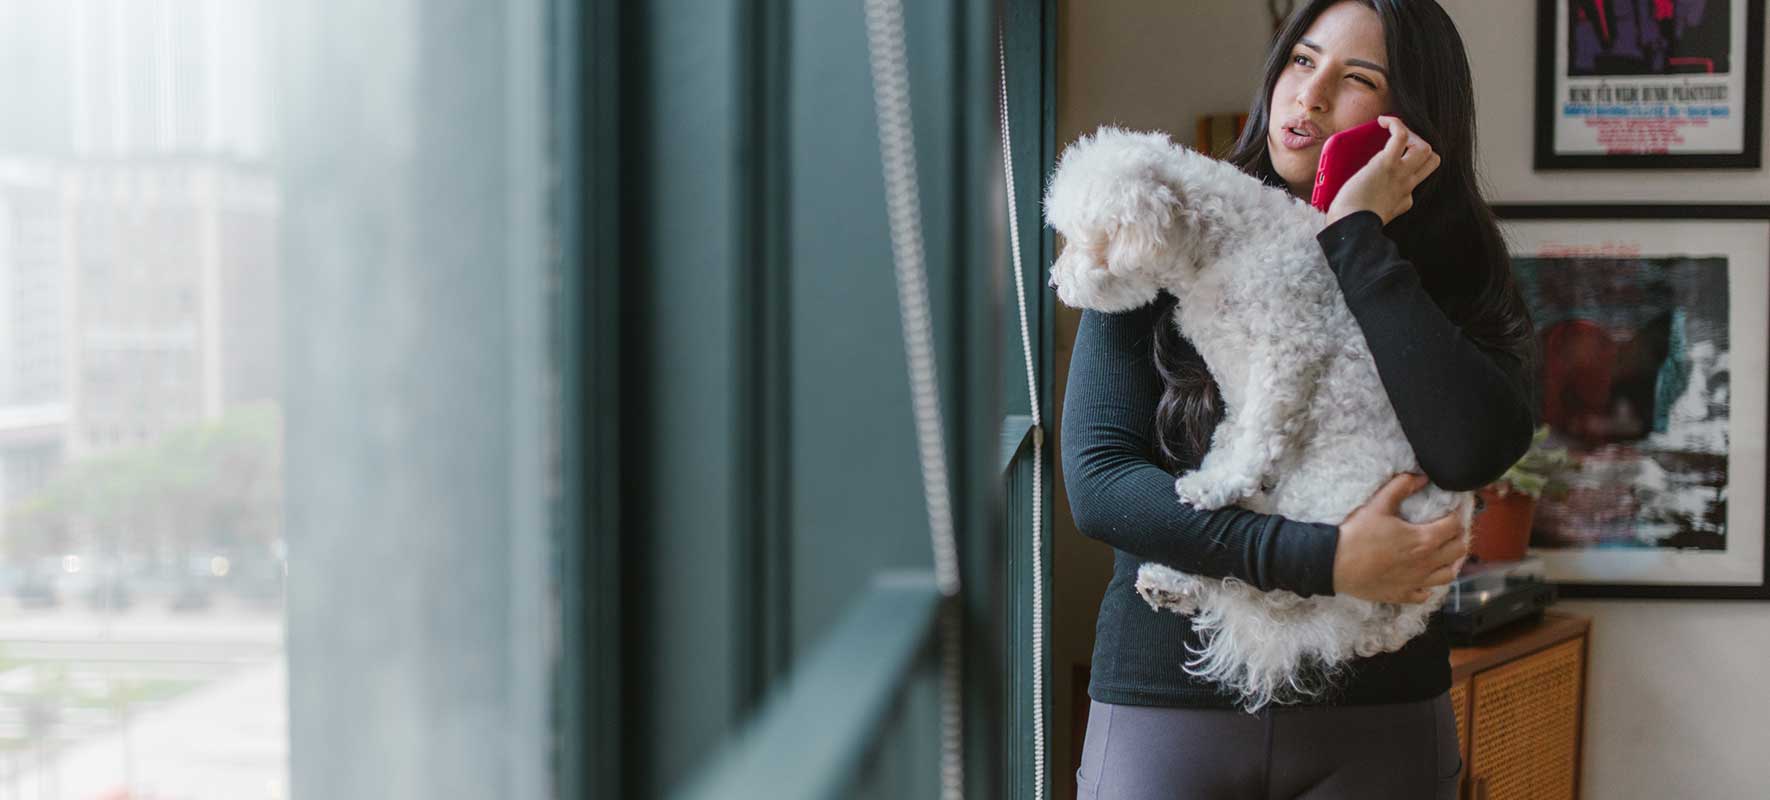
1466	409
1119	496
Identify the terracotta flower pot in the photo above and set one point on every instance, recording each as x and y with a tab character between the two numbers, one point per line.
1502	529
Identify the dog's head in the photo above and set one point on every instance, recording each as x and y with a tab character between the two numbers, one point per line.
1115	200
1105	272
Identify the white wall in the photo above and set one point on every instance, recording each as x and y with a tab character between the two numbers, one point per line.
1679	692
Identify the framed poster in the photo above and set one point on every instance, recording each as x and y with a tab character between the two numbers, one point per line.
1649	84
1653	324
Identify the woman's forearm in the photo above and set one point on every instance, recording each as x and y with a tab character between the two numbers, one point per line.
1119	496
1466	410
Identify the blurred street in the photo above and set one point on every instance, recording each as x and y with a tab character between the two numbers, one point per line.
148	704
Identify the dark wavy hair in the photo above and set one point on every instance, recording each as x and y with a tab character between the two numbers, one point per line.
1450	230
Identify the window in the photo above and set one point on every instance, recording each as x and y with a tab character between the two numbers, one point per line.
278	419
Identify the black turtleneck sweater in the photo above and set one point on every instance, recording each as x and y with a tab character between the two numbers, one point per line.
1466	409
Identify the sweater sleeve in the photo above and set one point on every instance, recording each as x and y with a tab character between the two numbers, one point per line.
1467	410
1120	496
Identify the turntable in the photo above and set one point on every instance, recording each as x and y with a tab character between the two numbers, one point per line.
1490	596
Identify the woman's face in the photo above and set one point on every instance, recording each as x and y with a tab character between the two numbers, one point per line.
1336	79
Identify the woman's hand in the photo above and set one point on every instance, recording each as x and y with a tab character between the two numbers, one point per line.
1386	184
1386	559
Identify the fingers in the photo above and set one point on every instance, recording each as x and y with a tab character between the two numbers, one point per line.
1398	488
1415	154
1419	160
1445	574
1393	490
1448	528
1424	168
1407	148
1399	137
1414	149
1450	551
1404	146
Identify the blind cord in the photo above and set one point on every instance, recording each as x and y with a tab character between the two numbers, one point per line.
1038	431
897	151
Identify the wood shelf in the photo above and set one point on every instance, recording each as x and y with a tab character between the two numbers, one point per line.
1515	642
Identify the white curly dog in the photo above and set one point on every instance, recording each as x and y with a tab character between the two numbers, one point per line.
1308	432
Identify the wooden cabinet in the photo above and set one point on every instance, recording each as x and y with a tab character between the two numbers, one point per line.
1520	700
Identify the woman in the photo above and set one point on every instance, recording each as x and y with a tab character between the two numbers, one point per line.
1423	269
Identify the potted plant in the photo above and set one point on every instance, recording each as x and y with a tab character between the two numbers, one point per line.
1502	528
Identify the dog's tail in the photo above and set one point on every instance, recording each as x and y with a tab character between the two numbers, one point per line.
1266	647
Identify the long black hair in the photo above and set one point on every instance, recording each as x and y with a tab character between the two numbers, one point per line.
1449	231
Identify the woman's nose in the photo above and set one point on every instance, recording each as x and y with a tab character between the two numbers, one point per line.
1312	94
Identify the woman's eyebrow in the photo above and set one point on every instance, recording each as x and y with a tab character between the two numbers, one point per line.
1356	62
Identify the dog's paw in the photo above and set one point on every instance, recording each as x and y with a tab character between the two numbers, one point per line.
1208	489
1165	588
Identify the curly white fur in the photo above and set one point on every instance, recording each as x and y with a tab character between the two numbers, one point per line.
1308	432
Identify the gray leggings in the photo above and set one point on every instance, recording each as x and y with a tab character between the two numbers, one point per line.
1397	750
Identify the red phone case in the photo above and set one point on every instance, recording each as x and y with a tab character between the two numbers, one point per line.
1343	154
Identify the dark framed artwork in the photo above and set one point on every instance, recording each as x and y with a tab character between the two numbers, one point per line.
1653	325
1649	84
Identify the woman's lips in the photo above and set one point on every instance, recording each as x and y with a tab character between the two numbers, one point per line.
1294	141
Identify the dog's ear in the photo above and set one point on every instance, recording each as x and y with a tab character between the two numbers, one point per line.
1087	275
1116	210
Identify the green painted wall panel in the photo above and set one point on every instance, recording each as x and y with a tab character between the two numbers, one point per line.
682	322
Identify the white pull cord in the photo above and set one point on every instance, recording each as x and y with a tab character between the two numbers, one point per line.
891	101
1038	487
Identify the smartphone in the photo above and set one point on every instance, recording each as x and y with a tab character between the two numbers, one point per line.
1343	154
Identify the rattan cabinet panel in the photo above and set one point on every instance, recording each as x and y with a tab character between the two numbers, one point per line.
1526	718
1459	701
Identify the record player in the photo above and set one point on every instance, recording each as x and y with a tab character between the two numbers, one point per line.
1495	594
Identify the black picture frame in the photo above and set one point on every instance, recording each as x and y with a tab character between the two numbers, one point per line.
1546	158
1521	212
